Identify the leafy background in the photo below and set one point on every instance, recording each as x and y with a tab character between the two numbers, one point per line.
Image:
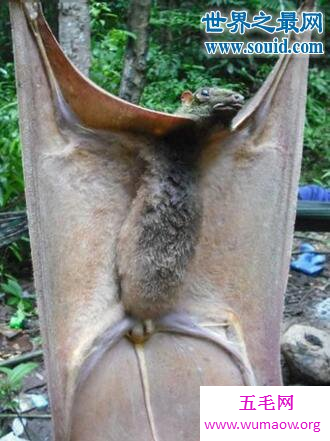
176	61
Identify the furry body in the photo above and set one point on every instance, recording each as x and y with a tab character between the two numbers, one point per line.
159	236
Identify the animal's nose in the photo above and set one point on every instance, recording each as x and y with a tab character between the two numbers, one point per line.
238	98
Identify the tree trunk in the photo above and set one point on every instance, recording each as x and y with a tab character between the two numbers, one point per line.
133	80
74	32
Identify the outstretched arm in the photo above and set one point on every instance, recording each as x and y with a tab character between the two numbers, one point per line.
94	107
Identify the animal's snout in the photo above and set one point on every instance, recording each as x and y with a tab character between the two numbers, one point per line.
237	98
231	103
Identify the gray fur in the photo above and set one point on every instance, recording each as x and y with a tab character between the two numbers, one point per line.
158	239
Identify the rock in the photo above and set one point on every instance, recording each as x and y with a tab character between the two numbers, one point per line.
18	426
28	402
285	371
11	437
322	310
8	332
307	352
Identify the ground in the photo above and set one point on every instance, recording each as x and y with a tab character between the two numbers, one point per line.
303	293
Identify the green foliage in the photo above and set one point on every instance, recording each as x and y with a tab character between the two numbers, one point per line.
5	43
182	21
316	165
11	175
16	297
108	46
101	16
255	5
11	383
111	51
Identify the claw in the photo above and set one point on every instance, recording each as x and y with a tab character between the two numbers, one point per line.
31	8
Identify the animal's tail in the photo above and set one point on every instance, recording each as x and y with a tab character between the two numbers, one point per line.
13	225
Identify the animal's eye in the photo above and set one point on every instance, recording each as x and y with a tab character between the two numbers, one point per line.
205	92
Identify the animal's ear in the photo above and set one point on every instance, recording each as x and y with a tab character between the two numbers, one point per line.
187	97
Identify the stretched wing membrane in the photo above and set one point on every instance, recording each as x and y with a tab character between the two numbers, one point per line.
79	187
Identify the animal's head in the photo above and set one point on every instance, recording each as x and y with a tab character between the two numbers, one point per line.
212	101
